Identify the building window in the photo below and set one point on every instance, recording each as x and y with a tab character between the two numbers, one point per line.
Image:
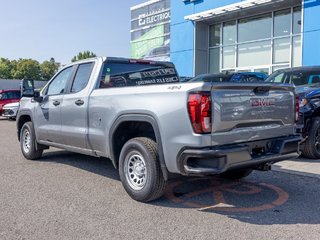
229	33
251	29
262	43
215	35
229	59
297	20
214	60
281	50
282	23
296	52
254	54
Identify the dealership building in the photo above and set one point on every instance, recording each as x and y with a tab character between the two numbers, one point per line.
210	36
150	30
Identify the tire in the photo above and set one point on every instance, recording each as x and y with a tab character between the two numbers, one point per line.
237	174
312	145
140	171
28	142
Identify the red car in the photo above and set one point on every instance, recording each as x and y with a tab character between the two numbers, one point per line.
8	96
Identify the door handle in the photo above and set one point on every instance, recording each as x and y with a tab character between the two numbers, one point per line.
79	102
56	103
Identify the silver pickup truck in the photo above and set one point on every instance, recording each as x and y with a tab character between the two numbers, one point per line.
153	127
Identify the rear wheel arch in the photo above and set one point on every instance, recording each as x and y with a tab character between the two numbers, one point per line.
135	120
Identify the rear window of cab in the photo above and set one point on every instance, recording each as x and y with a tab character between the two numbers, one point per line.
136	74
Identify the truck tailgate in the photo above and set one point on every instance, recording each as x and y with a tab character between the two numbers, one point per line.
251	111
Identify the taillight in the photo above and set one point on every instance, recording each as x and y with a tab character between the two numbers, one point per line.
297	109
199	107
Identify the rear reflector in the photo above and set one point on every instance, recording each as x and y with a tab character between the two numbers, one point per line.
199	107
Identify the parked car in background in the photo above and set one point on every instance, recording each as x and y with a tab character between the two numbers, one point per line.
307	81
8	96
185	79
10	110
231	77
299	76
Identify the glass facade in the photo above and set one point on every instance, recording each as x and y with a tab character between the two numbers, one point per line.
260	43
150	31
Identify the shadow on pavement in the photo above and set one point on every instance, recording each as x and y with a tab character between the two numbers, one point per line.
100	166
262	199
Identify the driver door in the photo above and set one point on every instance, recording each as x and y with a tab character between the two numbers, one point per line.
48	112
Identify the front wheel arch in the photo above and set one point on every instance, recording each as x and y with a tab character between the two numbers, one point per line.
28	142
21	121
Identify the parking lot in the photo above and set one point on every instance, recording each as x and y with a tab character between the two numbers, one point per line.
70	196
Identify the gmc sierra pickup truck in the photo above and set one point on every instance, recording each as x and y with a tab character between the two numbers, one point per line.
153	127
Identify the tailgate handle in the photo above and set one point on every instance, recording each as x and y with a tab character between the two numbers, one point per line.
261	89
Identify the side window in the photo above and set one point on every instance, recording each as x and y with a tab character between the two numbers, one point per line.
17	94
82	77
279	78
14	95
298	79
58	84
4	96
10	95
314	78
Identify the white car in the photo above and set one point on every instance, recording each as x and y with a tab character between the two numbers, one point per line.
10	110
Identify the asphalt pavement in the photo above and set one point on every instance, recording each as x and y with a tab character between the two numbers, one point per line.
71	196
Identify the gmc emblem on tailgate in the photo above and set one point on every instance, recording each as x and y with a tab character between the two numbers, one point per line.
262	102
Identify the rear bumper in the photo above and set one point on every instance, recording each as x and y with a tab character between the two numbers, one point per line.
210	161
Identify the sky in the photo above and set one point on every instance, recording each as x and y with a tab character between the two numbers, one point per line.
41	29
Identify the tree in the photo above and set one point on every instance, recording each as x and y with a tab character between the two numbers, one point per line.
83	55
27	68
48	69
6	68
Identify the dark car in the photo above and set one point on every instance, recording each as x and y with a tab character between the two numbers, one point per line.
298	76
307	81
8	96
231	77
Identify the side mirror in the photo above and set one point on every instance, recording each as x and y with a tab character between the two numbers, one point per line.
37	97
27	88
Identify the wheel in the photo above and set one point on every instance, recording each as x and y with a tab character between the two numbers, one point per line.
312	144
28	142
237	174
140	171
